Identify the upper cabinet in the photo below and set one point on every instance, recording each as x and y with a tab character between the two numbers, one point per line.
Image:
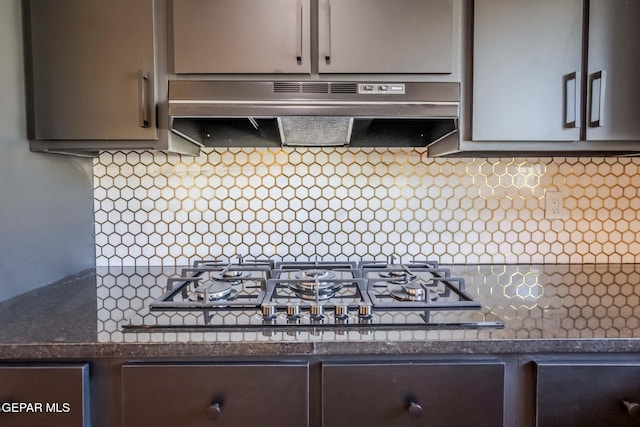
246	36
93	69
542	71
94	74
613	85
526	66
381	36
352	36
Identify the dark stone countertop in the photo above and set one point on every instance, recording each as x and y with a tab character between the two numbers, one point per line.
590	308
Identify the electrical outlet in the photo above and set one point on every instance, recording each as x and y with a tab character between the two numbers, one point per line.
553	204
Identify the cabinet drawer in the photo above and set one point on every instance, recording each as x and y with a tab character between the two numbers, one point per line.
230	395
44	396
586	395
438	394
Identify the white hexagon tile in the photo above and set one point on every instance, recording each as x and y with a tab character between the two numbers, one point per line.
338	203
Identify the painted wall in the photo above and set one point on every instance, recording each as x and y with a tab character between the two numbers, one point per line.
153	208
46	215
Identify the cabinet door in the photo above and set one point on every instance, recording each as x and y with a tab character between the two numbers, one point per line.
614	70
381	36
221	395
527	57
58	396
241	36
92	69
434	394
587	395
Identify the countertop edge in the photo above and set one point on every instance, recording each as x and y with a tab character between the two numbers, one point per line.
271	349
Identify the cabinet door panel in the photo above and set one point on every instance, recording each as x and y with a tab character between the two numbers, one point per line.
247	395
380	36
525	56
61	391
586	395
87	59
614	51
449	394
241	36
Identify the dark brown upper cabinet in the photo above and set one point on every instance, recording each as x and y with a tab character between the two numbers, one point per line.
344	36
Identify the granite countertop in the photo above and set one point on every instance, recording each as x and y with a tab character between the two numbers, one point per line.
545	308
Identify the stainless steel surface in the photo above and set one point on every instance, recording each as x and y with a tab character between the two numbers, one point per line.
365	310
415	410
316	311
518	68
293	310
247	113
310	294
213	412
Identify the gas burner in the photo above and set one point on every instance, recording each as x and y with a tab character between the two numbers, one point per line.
400	277
315	284
414	291
230	276
315	274
214	290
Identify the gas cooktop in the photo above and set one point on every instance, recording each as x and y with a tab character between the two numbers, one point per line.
257	294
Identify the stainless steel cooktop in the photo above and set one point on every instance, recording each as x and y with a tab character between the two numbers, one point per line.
257	294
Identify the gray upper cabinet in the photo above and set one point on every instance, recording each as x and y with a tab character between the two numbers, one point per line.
241	36
614	71
381	36
527	60
91	65
276	36
543	72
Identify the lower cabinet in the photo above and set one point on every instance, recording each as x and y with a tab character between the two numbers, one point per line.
225	395
410	394
587	394
44	396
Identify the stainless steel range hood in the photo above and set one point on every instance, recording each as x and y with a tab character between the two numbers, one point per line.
313	113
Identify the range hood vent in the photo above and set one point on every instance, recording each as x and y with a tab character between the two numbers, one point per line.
235	113
286	87
344	88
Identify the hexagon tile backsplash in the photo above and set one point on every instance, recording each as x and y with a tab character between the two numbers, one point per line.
339	203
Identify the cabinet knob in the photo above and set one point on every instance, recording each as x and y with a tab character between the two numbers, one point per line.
213	412
415	410
633	408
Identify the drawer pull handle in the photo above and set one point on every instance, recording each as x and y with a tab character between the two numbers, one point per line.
213	412
633	408
415	410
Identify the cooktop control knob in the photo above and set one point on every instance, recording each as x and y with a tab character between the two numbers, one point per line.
364	310
342	311
293	311
316	311
268	311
